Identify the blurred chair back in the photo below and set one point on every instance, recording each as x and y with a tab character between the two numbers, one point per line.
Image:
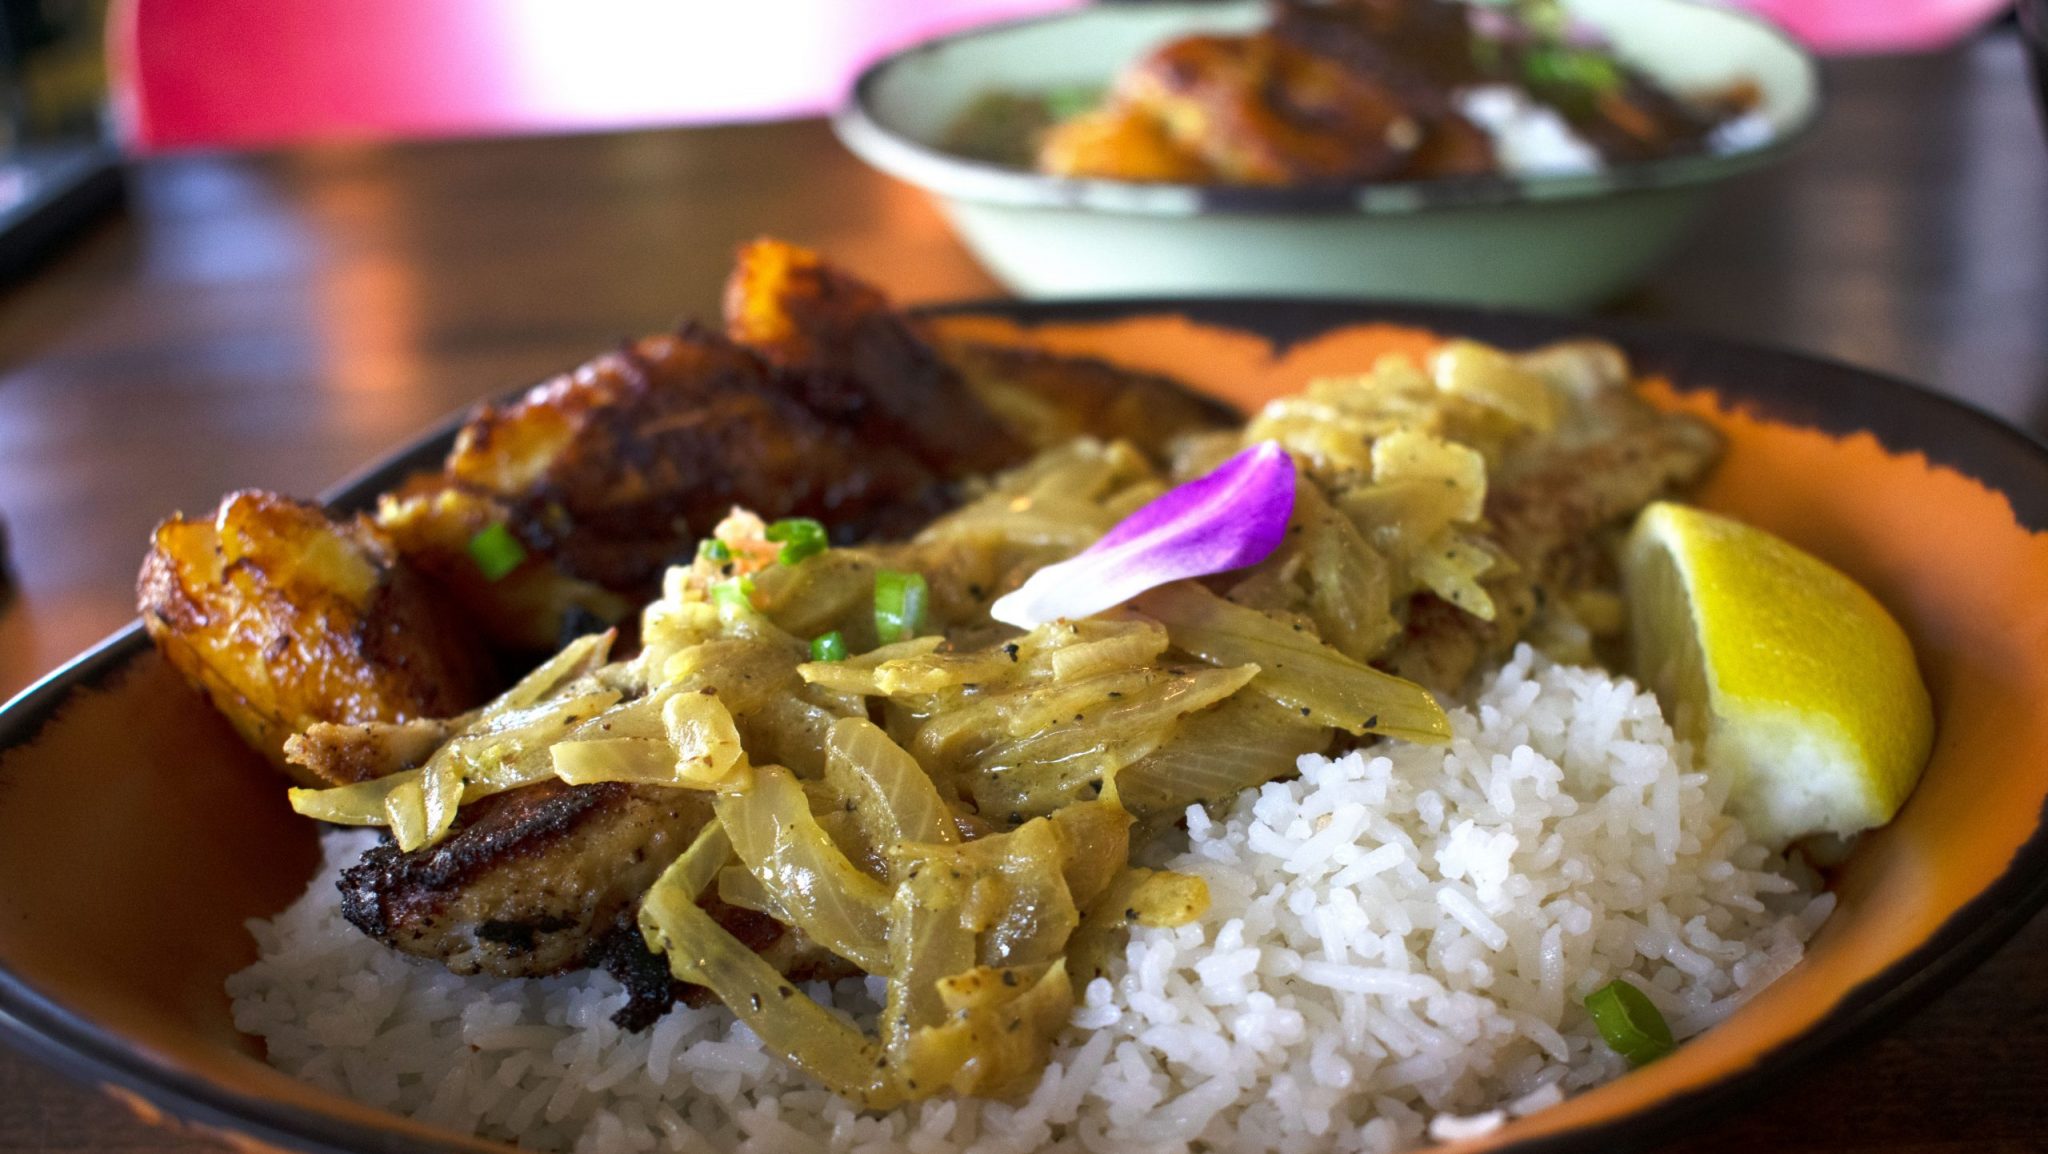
256	73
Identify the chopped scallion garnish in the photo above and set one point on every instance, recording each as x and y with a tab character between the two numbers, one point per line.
901	600
713	549
800	537
828	647
1071	100
1577	69
733	598
496	551
1629	1023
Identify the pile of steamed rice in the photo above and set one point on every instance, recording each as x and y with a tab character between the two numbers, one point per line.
1397	950
1532	139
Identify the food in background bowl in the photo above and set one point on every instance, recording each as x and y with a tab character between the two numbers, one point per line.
1551	239
1352	91
929	778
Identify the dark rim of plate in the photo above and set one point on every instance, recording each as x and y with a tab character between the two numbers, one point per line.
1785	386
952	175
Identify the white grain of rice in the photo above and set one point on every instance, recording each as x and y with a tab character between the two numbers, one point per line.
1397	949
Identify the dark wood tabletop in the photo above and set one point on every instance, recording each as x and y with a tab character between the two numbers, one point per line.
279	320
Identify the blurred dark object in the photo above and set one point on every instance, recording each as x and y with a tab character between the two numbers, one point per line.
57	171
6	570
2034	30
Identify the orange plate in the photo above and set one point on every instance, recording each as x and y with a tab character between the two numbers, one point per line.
136	835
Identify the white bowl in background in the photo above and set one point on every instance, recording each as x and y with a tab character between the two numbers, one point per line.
1542	241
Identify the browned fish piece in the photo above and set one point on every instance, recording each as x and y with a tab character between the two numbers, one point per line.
1422	49
861	362
528	881
609	474
1548	511
287	617
1049	400
1262	110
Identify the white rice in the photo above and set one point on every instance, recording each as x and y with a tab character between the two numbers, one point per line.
1533	139
1529	138
1397	948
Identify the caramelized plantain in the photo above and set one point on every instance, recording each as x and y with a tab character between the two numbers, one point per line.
1261	110
286	617
1119	143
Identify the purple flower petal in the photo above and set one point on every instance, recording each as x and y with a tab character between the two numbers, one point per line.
1229	519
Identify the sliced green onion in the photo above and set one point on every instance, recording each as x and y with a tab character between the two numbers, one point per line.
1629	1023
828	647
496	551
1071	100
901	600
1577	69
713	549
800	537
733	598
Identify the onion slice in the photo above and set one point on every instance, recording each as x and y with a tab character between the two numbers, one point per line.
1228	519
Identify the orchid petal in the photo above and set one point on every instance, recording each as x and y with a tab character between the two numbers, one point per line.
1230	518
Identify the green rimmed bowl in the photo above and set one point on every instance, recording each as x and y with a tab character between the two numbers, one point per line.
1535	241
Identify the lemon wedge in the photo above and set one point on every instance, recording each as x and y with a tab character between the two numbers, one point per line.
1796	685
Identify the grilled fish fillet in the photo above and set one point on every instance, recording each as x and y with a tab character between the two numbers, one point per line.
518	888
608	475
1548	510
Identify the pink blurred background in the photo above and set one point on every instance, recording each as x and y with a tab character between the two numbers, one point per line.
253	72
250	73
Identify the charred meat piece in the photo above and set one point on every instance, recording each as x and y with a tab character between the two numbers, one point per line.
859	362
1422	50
1261	110
1635	120
609	474
1051	400
287	617
529	881
1426	49
1331	93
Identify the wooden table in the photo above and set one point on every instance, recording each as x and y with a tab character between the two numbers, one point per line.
276	321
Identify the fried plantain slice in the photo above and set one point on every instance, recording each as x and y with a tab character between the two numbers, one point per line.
286	616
